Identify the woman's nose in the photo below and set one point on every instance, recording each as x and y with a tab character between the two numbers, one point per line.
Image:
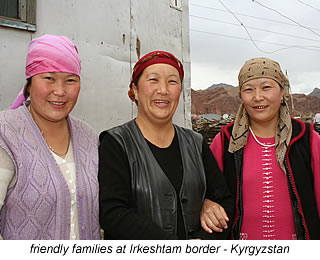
258	95
163	87
59	88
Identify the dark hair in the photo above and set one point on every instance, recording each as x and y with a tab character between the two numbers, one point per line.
136	84
26	88
137	79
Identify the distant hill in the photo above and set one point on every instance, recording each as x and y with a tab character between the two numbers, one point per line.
220	85
305	105
218	100
226	100
315	92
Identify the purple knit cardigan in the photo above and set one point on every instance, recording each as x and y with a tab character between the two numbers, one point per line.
37	206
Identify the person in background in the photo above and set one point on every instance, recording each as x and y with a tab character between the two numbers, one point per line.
270	161
48	158
153	174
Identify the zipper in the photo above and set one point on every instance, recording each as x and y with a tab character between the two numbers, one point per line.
237	155
296	196
237	217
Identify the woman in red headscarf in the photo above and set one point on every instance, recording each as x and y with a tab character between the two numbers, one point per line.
154	175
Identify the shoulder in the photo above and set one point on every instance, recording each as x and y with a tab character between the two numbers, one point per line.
12	123
11	114
216	142
83	128
315	136
116	131
226	130
189	139
188	131
105	137
82	124
315	144
5	112
301	129
301	126
110	146
296	123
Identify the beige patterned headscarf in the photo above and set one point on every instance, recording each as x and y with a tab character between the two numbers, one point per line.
263	68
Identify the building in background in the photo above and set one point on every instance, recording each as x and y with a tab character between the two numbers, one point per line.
316	119
110	35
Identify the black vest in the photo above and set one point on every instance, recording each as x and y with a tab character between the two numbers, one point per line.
152	192
300	181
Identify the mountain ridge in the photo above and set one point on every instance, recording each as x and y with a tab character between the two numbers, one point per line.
223	99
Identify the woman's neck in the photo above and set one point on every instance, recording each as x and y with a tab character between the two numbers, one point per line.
56	134
49	127
264	130
161	134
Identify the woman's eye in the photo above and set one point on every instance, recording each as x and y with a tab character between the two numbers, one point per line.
173	82
49	78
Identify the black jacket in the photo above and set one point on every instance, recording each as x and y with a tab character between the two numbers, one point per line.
152	192
148	192
300	180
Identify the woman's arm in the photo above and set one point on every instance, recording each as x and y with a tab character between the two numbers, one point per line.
315	164
216	149
219	202
117	215
7	173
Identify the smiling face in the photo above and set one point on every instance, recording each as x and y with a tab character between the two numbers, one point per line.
53	96
262	99
158	93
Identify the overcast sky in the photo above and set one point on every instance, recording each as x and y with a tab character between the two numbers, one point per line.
287	31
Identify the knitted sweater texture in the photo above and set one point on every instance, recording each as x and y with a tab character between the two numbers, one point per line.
37	206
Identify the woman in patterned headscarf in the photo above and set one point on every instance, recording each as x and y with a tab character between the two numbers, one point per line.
48	159
270	161
154	175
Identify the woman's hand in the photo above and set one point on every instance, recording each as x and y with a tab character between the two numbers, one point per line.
213	217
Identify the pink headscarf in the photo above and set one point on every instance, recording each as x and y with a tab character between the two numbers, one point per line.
50	53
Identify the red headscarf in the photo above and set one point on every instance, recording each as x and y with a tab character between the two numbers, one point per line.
150	59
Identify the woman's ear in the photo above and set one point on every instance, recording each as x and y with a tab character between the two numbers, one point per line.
240	98
282	95
26	90
135	91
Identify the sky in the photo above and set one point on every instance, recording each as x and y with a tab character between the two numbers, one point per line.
287	31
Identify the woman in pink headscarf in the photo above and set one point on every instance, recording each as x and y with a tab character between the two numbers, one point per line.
48	159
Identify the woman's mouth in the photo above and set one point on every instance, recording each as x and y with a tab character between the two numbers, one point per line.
259	107
161	102
57	104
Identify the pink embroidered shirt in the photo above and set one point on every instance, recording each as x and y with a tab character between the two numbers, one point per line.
267	211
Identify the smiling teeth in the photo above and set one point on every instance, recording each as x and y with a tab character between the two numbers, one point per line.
161	102
260	107
57	103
